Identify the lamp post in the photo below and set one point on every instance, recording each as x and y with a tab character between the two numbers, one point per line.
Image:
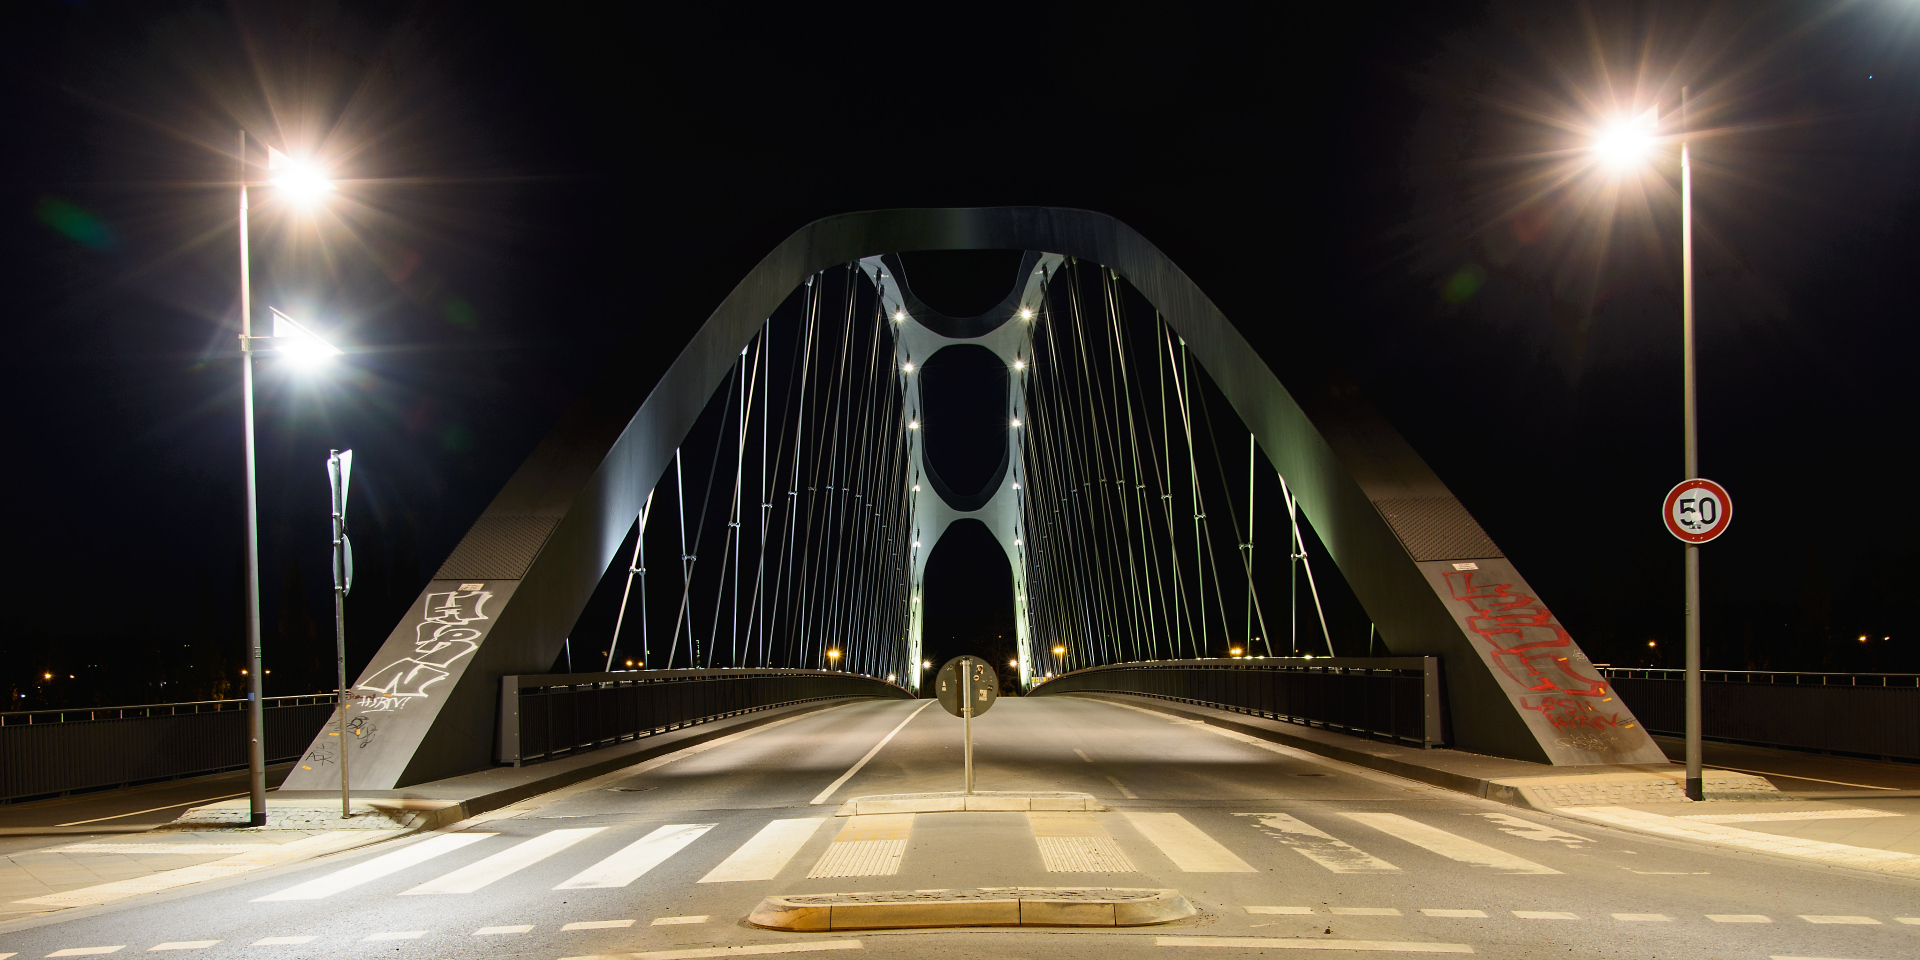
299	180
1628	143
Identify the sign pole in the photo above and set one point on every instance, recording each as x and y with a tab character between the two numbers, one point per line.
966	718
338	466
1695	789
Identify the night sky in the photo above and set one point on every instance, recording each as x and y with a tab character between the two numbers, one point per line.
1397	195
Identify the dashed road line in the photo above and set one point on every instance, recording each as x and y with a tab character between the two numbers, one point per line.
1545	915
1454	914
672	921
597	925
1848	921
179	945
1117	785
1739	918
86	951
636	858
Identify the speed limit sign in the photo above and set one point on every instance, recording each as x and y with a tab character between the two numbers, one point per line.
1698	510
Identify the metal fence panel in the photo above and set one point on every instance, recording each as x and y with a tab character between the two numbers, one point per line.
1867	718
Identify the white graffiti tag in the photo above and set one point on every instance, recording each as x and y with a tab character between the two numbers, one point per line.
442	638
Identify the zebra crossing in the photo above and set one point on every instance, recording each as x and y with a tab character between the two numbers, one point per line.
878	845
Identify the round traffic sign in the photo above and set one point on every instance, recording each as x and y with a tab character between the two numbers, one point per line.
980	682
1698	510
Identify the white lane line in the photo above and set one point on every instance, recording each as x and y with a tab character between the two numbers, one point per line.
1448	845
1643	917
282	941
635	859
1275	943
1853	921
672	921
491	931
1117	785
394	935
170	806
598	925
85	951
1319	846
1455	914
1366	911
1183	843
1912	920
272	855
1739	918
764	855
754	950
349	877
1865	858
1545	915
1784	957
1279	911
1789	776
1853	814
178	945
512	860
835	785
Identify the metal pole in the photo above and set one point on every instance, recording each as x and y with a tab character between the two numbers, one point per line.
340	617
1695	789
966	715
256	719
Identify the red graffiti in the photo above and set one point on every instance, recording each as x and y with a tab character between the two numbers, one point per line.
1529	646
1566	713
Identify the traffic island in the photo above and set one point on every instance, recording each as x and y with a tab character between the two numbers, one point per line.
980	907
980	801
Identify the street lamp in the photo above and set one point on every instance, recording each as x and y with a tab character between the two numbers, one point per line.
833	659
1625	144
303	182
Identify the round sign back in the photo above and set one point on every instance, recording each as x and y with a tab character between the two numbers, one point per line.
979	681
1697	510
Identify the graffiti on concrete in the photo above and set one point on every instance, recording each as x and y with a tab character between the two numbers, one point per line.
1531	648
447	634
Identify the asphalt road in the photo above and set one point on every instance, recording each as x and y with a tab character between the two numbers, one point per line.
1280	851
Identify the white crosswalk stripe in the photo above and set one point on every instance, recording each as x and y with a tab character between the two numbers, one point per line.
1322	848
766	853
518	857
1185	844
359	873
1446	844
638	857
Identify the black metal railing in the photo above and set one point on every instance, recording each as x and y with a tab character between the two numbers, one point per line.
1860	714
550	715
1396	698
51	752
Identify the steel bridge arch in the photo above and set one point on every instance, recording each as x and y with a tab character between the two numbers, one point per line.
1426	573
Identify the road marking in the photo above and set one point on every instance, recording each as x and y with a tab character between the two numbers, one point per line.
1789	776
1366	911
1117	785
598	925
764	855
85	951
518	857
1322	848
1456	914
1076	843
636	858
177	945
1739	918
1183	843
182	849
754	950
1083	754
1780	957
1528	830
491	931
868	846
1853	814
394	935
835	785
1854	921
270	855
1446	844
1275	943
1545	915
353	876
1861	857
170	806
1279	910
1912	920
282	941
1642	917
670	921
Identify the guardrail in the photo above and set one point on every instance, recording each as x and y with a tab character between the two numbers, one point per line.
1859	714
550	715
1396	698
52	752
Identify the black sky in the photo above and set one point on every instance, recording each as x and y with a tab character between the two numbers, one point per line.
1358	186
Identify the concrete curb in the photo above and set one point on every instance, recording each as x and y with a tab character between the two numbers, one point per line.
995	802
982	907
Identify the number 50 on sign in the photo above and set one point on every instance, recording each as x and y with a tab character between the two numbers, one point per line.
1698	510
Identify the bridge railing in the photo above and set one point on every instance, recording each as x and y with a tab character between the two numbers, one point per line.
1861	714
550	715
51	752
1396	698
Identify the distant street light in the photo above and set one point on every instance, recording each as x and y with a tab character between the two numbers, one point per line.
303	183
833	659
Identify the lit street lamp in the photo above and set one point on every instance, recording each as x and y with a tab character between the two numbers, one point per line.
833	659
302	182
